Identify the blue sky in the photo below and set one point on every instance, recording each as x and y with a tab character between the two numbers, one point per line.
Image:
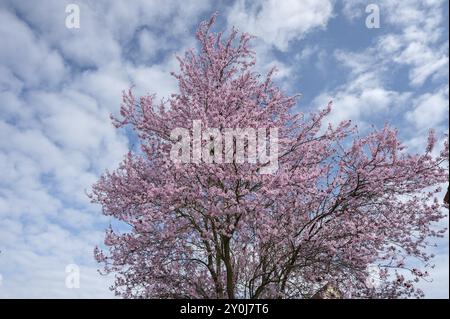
59	85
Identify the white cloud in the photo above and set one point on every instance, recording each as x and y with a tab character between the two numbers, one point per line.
280	22
41	272
430	109
363	105
364	98
415	40
57	89
106	27
156	79
438	287
415	37
25	56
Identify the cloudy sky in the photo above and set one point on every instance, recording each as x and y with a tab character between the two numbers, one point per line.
59	85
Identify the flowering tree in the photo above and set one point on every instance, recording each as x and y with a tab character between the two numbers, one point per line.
341	209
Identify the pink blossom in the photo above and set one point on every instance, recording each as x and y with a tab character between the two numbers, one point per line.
338	204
